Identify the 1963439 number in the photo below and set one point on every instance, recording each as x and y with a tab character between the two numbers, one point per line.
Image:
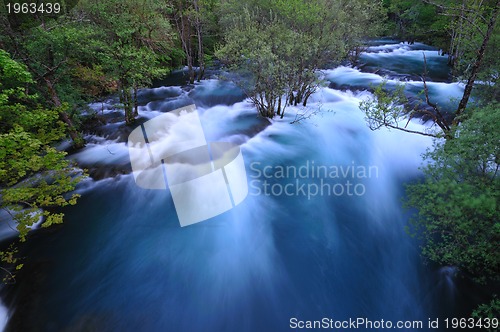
471	323
33	8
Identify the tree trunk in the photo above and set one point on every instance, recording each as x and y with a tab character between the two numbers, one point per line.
128	105
306	98
456	41
78	141
136	103
183	27
279	108
191	74
199	34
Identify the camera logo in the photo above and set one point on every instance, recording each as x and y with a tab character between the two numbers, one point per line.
204	179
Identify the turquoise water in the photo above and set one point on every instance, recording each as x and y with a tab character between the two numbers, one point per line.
121	262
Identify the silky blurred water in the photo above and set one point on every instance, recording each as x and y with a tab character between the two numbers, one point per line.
121	262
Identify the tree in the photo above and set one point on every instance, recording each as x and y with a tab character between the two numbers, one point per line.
376	112
488	87
389	109
193	19
277	47
48	45
412	20
130	44
35	177
458	212
251	51
476	65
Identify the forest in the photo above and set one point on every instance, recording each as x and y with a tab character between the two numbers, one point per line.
57	58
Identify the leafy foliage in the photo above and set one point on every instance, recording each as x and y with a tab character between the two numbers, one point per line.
129	44
278	46
458	211
415	20
257	51
386	108
489	310
390	108
34	176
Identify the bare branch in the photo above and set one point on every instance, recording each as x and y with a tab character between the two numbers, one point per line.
308	114
12	278
388	125
461	9
481	32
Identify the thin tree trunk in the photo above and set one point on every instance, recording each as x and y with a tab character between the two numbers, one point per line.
182	24
308	94
78	141
199	34
190	69
188	48
136	103
279	107
201	55
128	105
458	37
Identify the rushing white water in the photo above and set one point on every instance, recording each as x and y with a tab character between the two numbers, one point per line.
123	262
383	47
445	95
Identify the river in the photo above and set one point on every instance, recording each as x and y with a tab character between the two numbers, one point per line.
121	262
